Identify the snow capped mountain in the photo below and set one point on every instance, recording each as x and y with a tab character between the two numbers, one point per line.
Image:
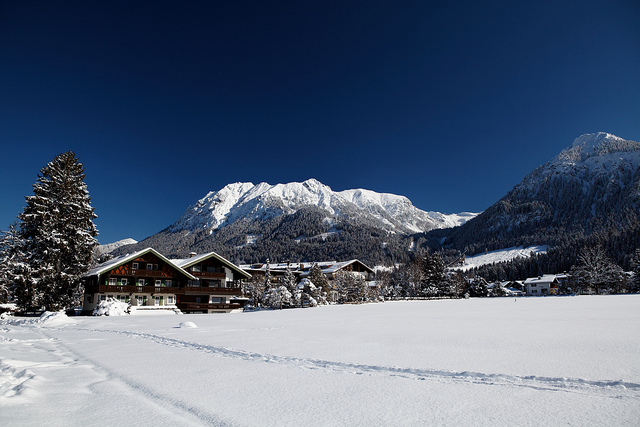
110	247
593	186
592	159
246	201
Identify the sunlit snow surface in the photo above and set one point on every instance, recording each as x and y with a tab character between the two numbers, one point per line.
502	361
500	255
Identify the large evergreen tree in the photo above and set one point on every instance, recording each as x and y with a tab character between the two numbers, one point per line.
436	281
58	234
15	280
320	281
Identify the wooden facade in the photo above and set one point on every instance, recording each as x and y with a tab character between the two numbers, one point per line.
216	288
148	280
302	270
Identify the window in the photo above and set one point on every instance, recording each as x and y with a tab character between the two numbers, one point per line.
196	268
211	269
112	281
140	282
217	300
168	283
171	299
149	266
134	266
124	282
157	300
198	300
158	282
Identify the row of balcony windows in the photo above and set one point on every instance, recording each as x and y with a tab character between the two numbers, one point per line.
141	282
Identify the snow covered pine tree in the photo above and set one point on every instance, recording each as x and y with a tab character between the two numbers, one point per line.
58	234
15	280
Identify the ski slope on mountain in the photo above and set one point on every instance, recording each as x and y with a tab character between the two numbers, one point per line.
483	362
500	255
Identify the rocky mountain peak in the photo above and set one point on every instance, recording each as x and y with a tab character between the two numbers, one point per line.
247	201
596	144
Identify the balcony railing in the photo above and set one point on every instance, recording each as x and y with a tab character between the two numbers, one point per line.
147	273
136	289
198	290
208	275
190	306
188	290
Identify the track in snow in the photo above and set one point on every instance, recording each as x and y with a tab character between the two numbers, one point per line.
607	388
190	415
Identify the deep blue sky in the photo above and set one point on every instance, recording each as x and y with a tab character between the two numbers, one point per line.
448	103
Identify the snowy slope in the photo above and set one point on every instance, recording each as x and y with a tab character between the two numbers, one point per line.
110	247
501	255
263	201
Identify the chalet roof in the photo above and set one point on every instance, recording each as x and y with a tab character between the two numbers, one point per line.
335	266
546	278
123	259
188	262
304	268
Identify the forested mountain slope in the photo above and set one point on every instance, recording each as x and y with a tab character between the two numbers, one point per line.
590	191
300	221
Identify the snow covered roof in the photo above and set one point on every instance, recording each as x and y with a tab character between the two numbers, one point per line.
546	278
123	259
188	262
340	265
304	268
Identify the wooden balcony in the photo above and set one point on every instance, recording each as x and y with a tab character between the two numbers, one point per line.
201	290
206	275
133	289
148	273
196	306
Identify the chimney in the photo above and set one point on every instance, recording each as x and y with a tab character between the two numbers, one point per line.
192	254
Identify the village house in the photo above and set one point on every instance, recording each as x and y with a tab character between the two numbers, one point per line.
303	269
217	285
149	281
542	285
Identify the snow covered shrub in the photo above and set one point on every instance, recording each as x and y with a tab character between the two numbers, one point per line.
277	298
112	307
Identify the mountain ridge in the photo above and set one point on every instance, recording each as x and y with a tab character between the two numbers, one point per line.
246	201
591	187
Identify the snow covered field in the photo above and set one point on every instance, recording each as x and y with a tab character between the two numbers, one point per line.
501	361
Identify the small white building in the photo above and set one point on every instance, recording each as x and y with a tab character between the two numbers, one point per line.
542	285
